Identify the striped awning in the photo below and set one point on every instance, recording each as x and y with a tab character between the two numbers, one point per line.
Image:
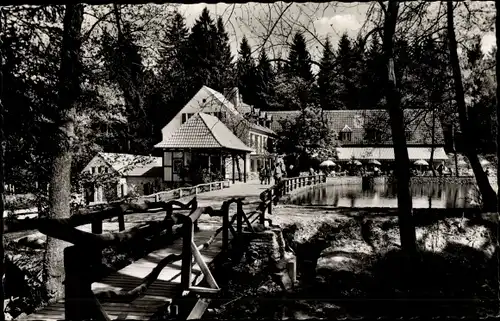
387	153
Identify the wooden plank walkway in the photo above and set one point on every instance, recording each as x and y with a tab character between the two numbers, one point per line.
160	293
164	289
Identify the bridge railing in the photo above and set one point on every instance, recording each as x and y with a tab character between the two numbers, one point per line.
186	191
81	258
273	194
85	254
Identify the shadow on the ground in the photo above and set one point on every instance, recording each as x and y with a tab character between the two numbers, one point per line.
460	281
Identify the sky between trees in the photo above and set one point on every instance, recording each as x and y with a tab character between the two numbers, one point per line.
254	20
328	19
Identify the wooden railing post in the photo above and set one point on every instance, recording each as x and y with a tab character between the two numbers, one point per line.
77	284
121	222
239	217
187	255
157	197
97	227
270	206
170	211
225	227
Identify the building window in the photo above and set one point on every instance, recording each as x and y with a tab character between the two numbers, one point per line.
186	116
105	169
99	170
93	170
374	135
346	136
177	165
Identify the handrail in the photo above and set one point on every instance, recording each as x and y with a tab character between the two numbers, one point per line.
180	191
83	303
285	186
96	218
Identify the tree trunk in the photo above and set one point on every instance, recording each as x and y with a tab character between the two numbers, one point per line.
488	194
2	180
237	160
433	137
455	150
60	182
402	168
497	71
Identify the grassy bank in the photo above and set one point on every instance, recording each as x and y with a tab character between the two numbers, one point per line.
349	264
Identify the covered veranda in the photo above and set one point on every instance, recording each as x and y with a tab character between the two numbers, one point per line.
386	154
203	142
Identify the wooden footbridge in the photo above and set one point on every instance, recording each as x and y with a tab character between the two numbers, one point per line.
157	280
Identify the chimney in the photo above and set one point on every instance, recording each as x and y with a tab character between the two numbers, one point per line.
233	95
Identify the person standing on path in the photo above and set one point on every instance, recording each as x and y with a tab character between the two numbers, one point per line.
278	173
262	175
267	177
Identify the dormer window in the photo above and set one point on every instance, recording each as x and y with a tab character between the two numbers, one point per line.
408	134
346	134
374	135
186	116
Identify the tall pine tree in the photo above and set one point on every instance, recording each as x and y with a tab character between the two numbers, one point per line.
264	82
124	67
201	54
326	77
299	59
247	75
344	68
171	90
371	93
298	79
224	60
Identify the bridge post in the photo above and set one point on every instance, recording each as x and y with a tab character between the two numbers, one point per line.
97	227
270	209
169	211
121	222
225	227
239	218
187	257
77	283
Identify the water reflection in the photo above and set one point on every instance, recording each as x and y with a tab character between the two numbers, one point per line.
429	195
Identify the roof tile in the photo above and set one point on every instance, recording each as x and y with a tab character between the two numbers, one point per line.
418	123
204	131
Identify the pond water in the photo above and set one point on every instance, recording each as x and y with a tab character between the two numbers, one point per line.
428	195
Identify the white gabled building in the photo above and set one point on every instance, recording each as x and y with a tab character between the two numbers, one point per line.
134	173
248	145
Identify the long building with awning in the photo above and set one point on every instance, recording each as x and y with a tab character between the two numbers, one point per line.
387	153
366	134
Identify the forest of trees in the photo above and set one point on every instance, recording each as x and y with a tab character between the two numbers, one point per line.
124	102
